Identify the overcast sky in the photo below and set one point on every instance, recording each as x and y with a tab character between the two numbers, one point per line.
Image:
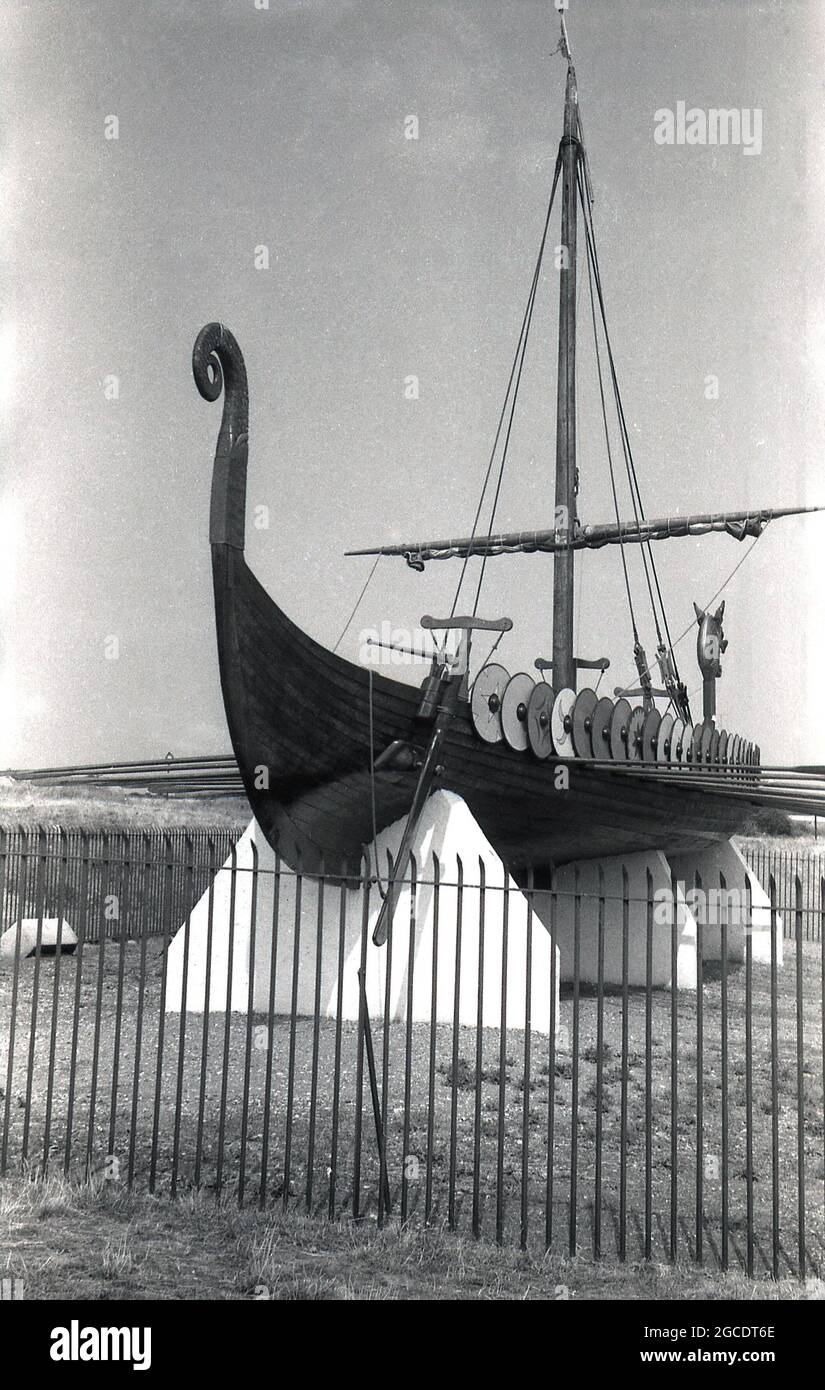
241	127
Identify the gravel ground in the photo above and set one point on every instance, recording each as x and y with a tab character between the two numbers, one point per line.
103	1099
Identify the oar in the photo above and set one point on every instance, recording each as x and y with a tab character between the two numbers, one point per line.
446	709
452	673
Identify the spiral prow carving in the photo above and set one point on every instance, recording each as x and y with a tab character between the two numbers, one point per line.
218	365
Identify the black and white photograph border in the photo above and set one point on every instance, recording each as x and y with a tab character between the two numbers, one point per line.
412	569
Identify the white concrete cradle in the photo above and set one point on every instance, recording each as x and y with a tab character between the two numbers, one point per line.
713	886
447	830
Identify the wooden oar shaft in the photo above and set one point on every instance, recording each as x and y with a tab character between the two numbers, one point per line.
444	715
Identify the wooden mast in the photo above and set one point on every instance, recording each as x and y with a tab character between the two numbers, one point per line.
564	663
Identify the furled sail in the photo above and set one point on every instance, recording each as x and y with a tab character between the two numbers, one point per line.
737	524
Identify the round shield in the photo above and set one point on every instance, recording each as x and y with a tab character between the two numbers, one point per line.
514	710
600	732
707	738
561	722
618	731
713	756
485	705
758	756
583	711
686	750
664	739
733	752
686	754
634	735
722	752
650	735
708	730
696	744
695	750
677	734
539	710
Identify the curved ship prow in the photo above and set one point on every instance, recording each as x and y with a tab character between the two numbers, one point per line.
298	716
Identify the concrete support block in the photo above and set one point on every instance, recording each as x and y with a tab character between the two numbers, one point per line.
313	957
582	879
49	934
715	881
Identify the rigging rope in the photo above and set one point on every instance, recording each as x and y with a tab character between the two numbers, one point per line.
610	454
518	357
515	372
638	511
367	583
372	791
648	560
516	387
715	596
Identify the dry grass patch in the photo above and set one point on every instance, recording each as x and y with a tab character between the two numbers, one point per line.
93	1241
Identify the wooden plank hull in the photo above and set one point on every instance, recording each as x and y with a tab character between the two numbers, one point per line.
299	719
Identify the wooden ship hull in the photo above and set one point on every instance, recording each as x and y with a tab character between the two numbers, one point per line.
299	717
303	722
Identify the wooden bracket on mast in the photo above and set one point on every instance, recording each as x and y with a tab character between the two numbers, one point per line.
599	663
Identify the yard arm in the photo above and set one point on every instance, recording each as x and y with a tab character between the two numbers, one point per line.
452	679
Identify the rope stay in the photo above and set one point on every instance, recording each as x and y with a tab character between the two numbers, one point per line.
377	878
665	653
638	510
357	605
610	454
740	562
515	376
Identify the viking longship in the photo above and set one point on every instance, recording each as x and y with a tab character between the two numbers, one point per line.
332	752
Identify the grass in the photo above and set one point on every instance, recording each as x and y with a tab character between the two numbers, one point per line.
118	808
32	804
94	1241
